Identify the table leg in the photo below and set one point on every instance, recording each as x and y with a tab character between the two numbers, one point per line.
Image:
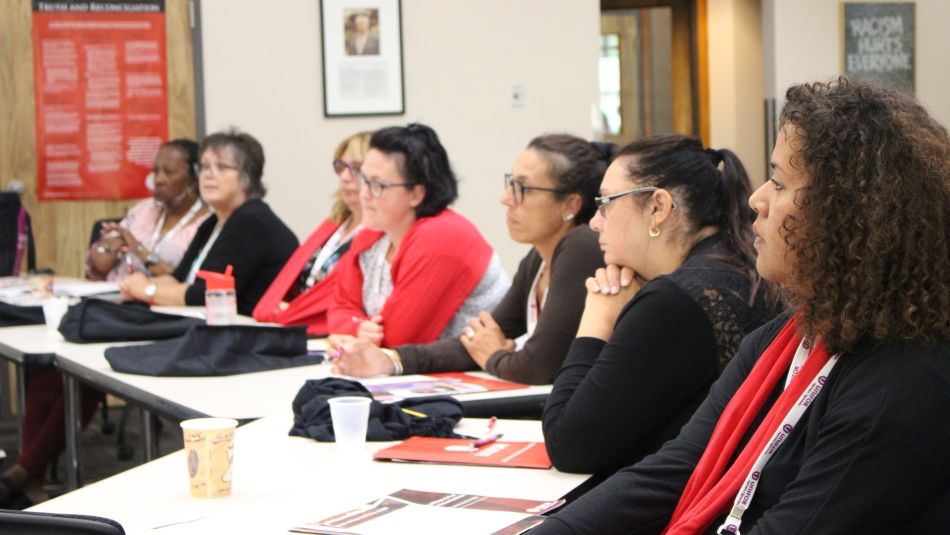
73	427
21	397
148	438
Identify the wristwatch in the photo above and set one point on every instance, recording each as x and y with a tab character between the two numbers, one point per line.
150	291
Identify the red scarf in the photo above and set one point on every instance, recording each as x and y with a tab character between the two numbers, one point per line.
711	489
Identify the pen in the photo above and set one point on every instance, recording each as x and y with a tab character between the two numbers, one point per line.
486	440
491	424
411	412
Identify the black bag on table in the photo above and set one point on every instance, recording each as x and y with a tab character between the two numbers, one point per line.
11	315
209	350
97	320
387	421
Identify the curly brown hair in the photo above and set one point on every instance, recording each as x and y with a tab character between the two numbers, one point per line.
870	242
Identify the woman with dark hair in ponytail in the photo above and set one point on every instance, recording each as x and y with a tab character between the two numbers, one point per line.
663	318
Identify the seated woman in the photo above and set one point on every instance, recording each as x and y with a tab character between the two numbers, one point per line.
165	225
303	290
155	232
550	198
660	322
243	231
419	270
831	419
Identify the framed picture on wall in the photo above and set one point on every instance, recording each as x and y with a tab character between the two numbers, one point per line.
362	57
879	43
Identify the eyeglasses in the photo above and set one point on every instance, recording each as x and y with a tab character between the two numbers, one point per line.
216	168
340	165
518	189
376	188
602	202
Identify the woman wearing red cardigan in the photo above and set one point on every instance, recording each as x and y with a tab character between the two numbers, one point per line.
419	270
304	288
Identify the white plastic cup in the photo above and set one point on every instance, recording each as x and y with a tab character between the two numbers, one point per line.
350	415
54	309
209	451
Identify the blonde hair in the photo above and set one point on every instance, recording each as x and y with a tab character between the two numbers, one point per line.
360	143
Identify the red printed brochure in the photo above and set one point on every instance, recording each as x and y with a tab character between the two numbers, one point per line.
461	451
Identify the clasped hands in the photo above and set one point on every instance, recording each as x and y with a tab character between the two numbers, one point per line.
608	291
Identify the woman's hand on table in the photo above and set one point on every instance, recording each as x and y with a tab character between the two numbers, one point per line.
133	286
357	357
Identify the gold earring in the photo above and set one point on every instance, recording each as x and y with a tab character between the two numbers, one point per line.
654	232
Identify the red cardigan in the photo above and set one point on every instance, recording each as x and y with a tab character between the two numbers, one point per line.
310	307
438	264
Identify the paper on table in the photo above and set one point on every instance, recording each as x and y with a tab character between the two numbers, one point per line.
424	513
85	288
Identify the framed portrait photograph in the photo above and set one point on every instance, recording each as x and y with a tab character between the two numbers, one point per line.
362	57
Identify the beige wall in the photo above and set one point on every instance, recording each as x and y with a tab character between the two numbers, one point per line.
736	86
263	74
802	55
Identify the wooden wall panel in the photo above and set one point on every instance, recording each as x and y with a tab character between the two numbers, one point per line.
61	228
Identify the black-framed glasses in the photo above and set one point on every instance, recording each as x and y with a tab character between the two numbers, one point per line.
602	202
216	168
376	188
518	189
340	165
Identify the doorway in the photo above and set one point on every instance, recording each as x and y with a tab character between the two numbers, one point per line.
652	69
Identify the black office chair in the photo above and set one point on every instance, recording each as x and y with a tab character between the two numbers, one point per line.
14	219
32	523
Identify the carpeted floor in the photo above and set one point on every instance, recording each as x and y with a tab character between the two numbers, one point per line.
99	450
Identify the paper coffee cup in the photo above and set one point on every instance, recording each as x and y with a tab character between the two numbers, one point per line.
209	451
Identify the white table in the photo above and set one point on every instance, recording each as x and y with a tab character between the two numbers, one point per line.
281	481
243	397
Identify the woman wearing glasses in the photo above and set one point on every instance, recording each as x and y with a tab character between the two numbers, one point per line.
418	270
243	231
663	318
303	290
831	419
550	198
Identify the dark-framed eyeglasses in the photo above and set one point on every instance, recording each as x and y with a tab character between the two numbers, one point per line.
602	202
376	188
340	165
518	189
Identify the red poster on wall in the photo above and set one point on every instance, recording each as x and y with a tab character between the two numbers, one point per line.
101	96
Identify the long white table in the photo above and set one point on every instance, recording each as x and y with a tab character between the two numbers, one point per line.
243	397
281	481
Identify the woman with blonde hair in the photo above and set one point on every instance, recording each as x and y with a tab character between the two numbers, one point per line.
303	290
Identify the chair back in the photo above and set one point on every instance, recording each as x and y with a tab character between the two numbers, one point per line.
16	235
35	523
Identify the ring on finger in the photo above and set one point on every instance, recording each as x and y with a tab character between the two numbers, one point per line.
469	333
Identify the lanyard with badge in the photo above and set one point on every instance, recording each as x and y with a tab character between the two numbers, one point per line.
785	427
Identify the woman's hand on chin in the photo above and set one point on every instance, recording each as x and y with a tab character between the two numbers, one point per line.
608	291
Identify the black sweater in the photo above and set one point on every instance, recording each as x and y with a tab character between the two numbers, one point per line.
576	257
869	456
615	402
253	240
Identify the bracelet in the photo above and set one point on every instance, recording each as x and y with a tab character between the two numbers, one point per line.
394	359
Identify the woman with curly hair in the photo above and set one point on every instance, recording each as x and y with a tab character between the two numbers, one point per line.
831	418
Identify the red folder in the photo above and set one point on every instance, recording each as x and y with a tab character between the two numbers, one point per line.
433	450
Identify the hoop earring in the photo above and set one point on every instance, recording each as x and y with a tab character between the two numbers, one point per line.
568	217
654	232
